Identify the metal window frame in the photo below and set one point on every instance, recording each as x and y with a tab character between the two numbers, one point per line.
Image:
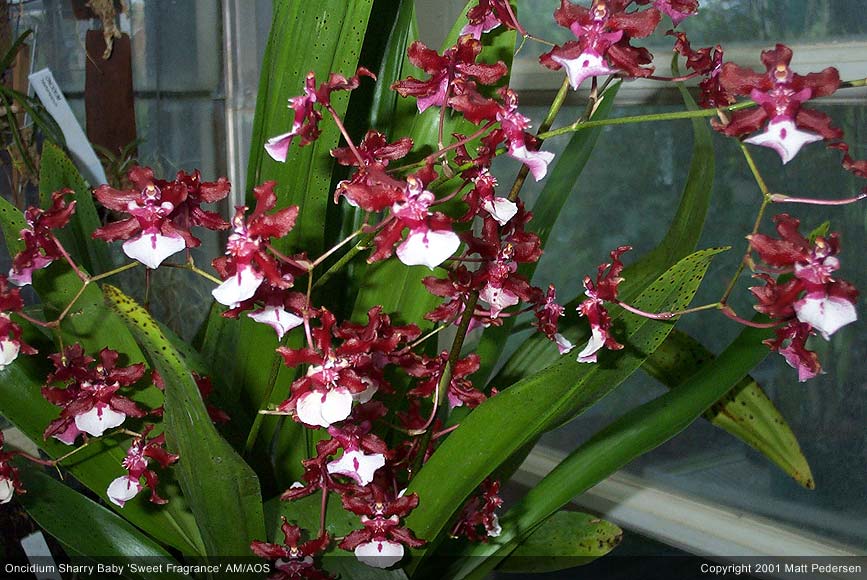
686	522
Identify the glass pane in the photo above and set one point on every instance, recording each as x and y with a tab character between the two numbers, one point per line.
610	206
742	22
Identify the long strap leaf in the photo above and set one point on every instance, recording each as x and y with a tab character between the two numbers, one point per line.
746	412
637	432
228	509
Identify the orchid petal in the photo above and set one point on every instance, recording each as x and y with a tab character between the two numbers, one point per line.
564	345
308	408
277	318
69	436
596	342
9	350
7	490
501	209
498	299
357	465
239	287
152	248
784	137
827	314
278	147
537	161
123	489
367	394
428	247
585	65
100	418
379	554
337	406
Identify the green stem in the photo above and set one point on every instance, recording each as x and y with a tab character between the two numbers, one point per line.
266	399
766	199
580	125
446	378
556	104
363	244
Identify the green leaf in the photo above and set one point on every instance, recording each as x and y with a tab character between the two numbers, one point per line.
388	108
97	465
323	37
507	422
680	239
12	221
305	514
565	540
56	172
9	57
635	433
85	526
559	185
746	411
228	509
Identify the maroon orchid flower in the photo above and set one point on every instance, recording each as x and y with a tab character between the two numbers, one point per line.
340	375
486	16
40	246
305	123
189	212
247	262
791	343
137	460
430	240
162	213
10	484
294	560
460	390
813	295
11	343
548	313
90	400
363	452
150	235
371	188
521	144
279	308
593	308
677	10
478	519
503	248
707	62
381	542
805	295
450	74
603	32
780	94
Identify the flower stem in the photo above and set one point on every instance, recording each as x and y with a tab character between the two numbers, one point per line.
580	125
81	275
195	270
667	315
346	136
780	198
344	259
546	123
727	310
260	416
446	378
766	199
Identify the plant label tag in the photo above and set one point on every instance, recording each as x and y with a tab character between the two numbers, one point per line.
55	103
